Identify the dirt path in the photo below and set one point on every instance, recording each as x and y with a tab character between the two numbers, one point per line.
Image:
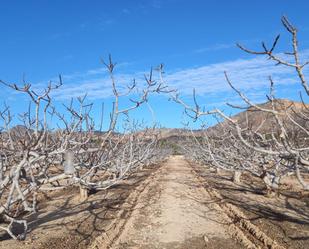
177	204
175	212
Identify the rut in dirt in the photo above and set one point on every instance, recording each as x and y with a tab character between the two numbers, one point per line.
175	212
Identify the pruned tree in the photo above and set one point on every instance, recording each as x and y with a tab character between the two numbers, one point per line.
280	149
36	156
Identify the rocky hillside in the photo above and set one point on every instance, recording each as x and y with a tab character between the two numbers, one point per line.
265	122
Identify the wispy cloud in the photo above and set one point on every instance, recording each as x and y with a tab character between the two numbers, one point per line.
97	87
216	47
223	46
246	74
125	11
157	4
249	75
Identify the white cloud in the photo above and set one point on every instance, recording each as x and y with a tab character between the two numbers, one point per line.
95	88
216	47
246	74
126	11
249	75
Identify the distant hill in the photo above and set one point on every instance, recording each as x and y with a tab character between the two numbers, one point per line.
265	122
252	118
20	130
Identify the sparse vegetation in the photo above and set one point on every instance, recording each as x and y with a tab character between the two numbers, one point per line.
267	140
245	179
36	157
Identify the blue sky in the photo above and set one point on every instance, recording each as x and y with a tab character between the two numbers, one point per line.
194	39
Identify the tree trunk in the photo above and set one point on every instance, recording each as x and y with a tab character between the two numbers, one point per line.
83	193
236	176
301	180
271	184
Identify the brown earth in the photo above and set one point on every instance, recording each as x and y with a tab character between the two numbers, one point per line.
65	222
284	217
176	212
175	205
265	122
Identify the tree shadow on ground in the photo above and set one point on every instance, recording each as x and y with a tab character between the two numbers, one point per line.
285	215
81	221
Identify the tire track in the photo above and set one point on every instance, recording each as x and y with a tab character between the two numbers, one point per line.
114	230
187	217
240	226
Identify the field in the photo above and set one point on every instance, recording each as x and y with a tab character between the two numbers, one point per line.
86	165
177	204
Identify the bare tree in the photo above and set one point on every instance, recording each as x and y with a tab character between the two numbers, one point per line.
236	146
36	157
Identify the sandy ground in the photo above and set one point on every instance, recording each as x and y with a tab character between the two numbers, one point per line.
283	218
175	212
177	204
65	222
